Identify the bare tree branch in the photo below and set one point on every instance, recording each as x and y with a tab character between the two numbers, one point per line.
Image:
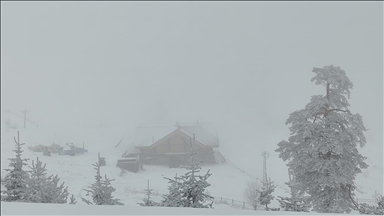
337	110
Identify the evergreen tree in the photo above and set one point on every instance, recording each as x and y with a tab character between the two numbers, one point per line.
15	180
174	196
380	203
322	149
59	193
297	202
101	190
147	201
43	188
188	190
373	210
72	200
266	191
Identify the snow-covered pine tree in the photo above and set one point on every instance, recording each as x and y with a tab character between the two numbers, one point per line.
174	197
193	189
36	183
322	149
95	188
16	179
380	203
147	201
101	190
189	187
297	202
373	210
59	193
266	191
43	188
72	200
108	190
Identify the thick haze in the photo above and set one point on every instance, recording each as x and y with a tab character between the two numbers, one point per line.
241	66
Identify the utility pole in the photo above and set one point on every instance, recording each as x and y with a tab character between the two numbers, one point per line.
265	156
25	115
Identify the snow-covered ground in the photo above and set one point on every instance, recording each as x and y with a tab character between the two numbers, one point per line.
59	209
228	181
77	172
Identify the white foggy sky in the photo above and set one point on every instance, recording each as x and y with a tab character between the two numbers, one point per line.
243	66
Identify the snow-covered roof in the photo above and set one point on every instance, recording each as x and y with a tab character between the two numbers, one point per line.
148	135
201	135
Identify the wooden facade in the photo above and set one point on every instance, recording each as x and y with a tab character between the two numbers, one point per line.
55	148
174	149
39	148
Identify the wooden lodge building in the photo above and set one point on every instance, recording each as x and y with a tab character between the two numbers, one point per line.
39	148
171	145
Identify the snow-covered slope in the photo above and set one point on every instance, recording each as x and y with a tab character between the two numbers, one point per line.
59	209
227	180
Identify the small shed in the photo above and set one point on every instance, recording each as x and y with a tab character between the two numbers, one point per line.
80	150
102	161
46	153
72	150
40	148
54	148
69	150
129	163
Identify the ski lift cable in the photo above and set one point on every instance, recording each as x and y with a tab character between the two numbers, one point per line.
28	120
243	171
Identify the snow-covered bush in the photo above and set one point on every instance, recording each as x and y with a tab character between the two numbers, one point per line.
297	202
373	210
252	194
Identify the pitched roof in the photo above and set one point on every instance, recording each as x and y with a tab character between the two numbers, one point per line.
148	135
201	135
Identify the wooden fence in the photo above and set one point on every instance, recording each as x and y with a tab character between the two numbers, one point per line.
367	201
245	205
232	202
